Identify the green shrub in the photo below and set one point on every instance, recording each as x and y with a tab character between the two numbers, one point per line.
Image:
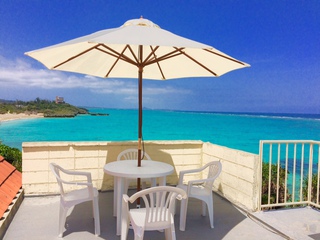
314	183
12	155
273	186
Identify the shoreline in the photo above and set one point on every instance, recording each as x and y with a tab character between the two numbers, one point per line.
14	116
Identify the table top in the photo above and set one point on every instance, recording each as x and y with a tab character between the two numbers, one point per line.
130	169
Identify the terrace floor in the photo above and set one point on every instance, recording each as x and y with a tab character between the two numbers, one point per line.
37	218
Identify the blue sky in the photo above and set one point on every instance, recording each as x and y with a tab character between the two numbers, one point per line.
279	39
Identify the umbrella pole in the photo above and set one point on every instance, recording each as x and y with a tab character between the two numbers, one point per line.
140	118
140	114
140	128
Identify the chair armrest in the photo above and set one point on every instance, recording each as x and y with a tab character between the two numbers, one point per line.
125	198
77	173
184	172
89	184
198	181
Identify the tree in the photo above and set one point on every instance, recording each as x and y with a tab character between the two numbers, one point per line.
12	155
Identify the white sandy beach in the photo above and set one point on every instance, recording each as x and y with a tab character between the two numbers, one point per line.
13	116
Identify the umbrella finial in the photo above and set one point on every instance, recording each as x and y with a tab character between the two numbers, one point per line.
142	22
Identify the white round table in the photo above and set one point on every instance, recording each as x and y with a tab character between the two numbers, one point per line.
129	169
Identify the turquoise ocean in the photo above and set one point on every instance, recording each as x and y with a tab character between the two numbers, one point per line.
241	131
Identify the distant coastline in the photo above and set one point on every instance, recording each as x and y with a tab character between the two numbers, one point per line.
18	116
38	108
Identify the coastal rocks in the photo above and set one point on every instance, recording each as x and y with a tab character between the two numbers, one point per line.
99	114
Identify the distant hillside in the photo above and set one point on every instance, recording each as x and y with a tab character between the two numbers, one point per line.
48	108
6	101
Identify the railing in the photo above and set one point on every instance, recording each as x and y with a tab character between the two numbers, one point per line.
289	173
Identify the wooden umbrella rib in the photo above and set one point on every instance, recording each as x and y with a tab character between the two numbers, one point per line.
118	58
152	58
155	57
200	64
135	57
75	56
151	54
226	57
109	53
163	58
117	54
166	56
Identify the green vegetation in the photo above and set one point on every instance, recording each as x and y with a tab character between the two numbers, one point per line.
48	108
12	155
273	185
314	183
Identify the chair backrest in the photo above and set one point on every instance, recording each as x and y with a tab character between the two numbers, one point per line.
79	188
132	154
159	204
214	170
74	179
56	169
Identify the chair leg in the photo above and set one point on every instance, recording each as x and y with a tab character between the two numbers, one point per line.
183	214
210	210
171	232
204	208
137	237
138	234
62	219
124	227
96	216
167	233
125	220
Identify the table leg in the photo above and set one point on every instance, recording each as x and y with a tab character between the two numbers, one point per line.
120	190
162	181
115	196
153	182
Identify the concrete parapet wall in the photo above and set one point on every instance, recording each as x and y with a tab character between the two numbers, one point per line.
237	182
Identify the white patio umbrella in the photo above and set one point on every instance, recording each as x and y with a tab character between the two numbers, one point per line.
139	48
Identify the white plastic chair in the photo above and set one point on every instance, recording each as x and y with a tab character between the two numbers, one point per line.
156	215
131	154
200	189
74	197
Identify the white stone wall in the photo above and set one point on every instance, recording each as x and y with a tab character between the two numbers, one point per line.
237	181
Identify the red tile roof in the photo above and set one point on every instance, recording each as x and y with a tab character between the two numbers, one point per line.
10	184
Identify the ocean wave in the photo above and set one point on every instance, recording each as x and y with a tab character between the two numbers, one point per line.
261	115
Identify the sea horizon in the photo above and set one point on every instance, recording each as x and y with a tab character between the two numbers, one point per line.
238	130
261	114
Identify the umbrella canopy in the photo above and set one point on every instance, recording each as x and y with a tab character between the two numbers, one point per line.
139	43
139	48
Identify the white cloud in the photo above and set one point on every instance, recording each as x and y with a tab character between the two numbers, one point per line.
21	74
